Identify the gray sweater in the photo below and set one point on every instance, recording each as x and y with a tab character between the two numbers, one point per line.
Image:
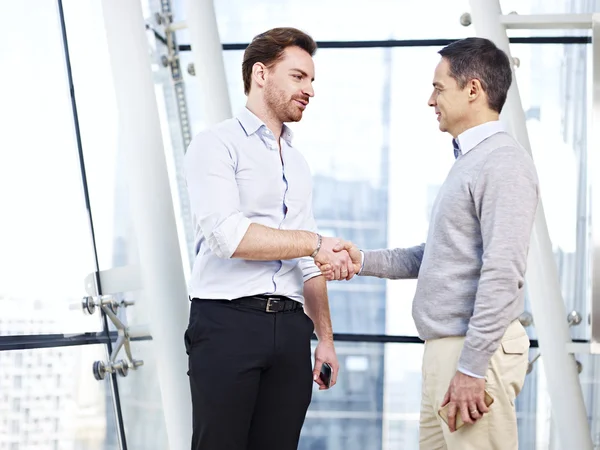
471	273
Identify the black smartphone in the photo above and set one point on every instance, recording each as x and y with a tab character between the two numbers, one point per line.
325	374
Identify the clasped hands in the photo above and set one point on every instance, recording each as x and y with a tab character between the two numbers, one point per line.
338	259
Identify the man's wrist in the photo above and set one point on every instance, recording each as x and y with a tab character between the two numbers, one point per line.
472	360
469	373
326	338
318	246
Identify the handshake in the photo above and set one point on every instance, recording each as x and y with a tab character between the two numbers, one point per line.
338	259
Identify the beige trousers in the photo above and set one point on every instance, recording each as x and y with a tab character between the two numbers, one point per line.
497	430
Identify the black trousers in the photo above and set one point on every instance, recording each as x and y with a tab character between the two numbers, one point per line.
250	376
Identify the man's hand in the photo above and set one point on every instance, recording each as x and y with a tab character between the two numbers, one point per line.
325	353
465	396
355	262
333	254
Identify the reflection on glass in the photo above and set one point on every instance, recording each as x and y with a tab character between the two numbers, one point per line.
50	400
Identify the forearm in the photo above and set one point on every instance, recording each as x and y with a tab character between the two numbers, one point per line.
490	320
393	264
261	243
316	306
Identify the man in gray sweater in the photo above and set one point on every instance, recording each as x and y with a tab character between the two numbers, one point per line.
471	271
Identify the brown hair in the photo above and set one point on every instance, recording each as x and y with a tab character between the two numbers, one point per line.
268	47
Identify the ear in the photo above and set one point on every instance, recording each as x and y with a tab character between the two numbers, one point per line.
475	89
259	72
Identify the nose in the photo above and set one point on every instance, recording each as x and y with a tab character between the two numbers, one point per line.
308	90
432	100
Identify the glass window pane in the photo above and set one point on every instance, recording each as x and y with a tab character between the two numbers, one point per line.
141	402
54	398
590	371
340	20
98	117
554	84
44	233
97	114
536	424
375	403
139	391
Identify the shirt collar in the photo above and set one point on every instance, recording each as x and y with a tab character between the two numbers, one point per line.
252	124
470	138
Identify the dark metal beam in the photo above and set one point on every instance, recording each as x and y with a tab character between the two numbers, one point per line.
413	42
31	341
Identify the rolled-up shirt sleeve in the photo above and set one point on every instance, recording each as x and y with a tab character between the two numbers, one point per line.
214	195
309	268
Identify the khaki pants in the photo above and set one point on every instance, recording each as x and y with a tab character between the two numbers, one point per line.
497	430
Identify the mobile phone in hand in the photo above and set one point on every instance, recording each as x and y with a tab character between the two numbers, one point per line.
443	412
325	374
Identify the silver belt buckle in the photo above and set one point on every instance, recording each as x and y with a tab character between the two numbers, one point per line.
271	301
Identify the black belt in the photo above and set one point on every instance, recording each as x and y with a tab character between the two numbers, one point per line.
269	303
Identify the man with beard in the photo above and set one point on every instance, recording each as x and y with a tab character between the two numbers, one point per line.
257	246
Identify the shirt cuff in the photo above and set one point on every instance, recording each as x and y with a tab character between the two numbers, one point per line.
471	374
362	261
474	361
305	278
309	268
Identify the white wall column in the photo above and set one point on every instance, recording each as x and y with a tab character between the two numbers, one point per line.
207	52
568	408
161	271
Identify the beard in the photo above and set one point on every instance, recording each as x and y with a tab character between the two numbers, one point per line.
283	107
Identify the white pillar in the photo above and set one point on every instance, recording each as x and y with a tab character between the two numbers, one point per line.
161	271
207	53
566	397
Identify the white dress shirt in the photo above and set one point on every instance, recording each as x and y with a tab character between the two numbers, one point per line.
235	177
470	138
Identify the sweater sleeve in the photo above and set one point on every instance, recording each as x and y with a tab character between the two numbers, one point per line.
506	196
394	264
